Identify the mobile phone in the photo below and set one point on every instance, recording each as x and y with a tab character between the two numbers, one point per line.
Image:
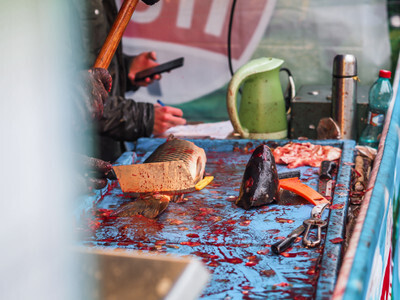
165	67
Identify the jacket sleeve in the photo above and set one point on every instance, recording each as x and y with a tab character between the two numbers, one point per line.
126	120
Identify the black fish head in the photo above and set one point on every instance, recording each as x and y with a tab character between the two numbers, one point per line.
260	183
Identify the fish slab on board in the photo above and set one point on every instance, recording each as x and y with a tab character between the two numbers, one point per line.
152	204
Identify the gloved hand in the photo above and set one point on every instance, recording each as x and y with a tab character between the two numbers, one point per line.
97	82
96	172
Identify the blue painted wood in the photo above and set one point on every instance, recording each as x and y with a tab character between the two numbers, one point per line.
233	243
147	145
331	260
394	142
370	275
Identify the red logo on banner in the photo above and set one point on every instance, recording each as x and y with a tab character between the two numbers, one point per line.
198	23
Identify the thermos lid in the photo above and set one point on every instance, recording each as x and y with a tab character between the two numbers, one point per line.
344	65
385	74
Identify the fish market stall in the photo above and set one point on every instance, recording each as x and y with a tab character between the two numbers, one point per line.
234	244
239	247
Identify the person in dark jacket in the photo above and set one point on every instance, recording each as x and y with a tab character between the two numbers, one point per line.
116	118
123	119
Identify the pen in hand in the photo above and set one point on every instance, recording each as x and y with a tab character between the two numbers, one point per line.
175	112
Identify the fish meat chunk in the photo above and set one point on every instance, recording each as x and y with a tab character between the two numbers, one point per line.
153	204
305	154
176	149
147	205
260	183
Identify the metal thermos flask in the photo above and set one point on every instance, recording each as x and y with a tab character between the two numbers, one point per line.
344	94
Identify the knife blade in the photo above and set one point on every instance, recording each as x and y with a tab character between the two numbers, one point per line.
282	245
325	184
167	177
289	174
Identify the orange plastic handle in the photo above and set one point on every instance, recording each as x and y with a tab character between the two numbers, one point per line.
296	186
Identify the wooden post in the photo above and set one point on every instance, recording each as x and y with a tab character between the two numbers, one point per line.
114	37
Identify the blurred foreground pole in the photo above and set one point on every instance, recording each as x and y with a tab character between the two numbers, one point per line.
36	261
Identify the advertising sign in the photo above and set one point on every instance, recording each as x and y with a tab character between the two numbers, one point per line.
198	31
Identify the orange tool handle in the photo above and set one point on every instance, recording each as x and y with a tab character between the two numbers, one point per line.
296	186
115	35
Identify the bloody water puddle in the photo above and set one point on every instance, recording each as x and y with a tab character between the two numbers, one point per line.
191	244
295	254
336	240
283	220
192	235
337	206
251	263
215	259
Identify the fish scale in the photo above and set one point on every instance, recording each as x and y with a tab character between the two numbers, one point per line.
169	152
176	149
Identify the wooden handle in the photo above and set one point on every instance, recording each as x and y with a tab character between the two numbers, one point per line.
114	37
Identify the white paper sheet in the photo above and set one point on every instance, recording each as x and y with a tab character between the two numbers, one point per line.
218	130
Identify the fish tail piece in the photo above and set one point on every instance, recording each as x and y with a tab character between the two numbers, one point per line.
149	206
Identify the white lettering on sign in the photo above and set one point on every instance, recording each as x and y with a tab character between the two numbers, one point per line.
216	18
185	13
149	15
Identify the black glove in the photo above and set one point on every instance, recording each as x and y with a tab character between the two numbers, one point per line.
97	83
96	172
150	2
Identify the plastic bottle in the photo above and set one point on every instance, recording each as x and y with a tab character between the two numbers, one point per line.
379	98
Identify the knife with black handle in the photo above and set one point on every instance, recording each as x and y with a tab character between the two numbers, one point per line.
289	174
325	184
288	241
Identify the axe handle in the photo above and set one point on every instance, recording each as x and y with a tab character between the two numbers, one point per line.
114	37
